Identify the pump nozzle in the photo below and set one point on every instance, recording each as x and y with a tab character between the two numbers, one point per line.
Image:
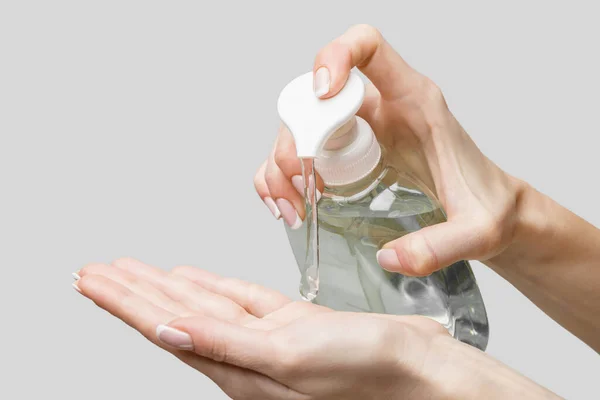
312	120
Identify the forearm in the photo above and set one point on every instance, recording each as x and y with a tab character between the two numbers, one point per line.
468	373
554	260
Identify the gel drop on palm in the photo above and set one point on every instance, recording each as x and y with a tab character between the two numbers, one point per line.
367	203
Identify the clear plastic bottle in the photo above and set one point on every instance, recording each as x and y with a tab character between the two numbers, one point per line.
367	203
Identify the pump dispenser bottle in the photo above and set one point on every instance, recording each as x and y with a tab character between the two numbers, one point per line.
367	203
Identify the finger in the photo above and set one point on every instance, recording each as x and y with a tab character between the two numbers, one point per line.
222	342
256	299
432	248
186	292
364	47
138	286
285	153
239	383
288	200
287	160
143	316
263	191
134	310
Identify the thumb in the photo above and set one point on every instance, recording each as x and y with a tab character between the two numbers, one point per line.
432	248
220	341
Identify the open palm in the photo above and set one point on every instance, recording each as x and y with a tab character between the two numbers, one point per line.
256	343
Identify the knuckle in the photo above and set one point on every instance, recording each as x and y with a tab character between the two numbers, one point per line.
285	158
274	181
259	177
280	157
257	180
127	299
420	257
367	30
216	348
271	176
430	98
432	92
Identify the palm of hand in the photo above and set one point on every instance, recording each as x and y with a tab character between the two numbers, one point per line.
256	343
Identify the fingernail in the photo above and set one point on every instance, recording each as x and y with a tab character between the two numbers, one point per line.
175	338
74	284
298	183
289	213
272	207
321	82
388	259
76	276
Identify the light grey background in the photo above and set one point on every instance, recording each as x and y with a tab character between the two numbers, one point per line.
134	128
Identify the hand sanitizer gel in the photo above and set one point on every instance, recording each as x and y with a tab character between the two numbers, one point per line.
367	203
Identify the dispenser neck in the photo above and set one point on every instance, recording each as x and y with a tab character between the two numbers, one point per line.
361	188
349	155
342	137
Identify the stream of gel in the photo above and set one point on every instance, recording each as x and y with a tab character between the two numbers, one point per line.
309	282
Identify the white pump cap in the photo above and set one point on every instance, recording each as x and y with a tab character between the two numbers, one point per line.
344	145
312	120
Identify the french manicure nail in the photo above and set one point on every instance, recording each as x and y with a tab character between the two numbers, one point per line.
321	82
76	276
174	337
272	207
388	259
298	183
289	213
74	284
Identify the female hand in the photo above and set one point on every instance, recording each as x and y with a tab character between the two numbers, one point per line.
543	249
410	118
257	344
